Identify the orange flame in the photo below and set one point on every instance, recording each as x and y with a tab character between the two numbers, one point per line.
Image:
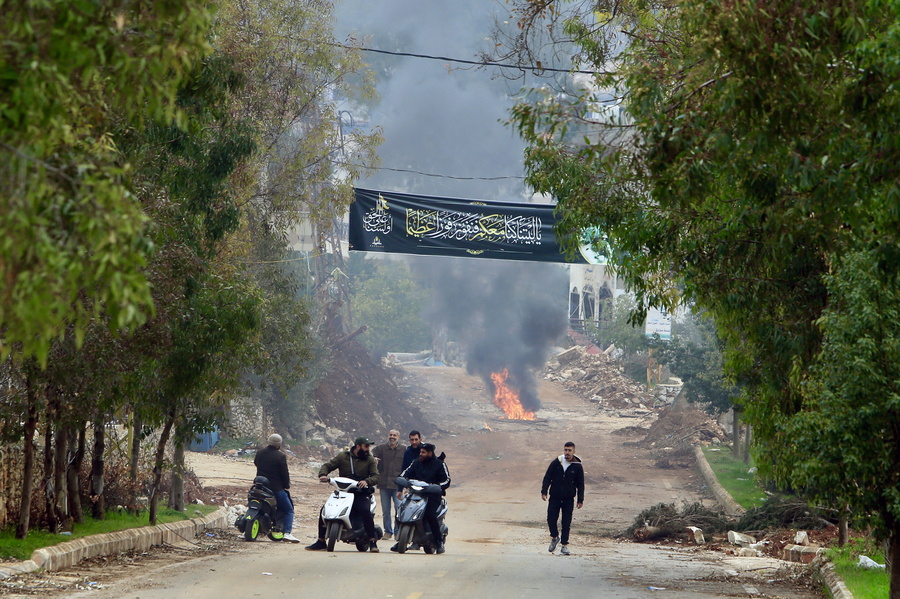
507	399
487	427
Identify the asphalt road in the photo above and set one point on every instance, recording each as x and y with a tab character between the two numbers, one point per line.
497	545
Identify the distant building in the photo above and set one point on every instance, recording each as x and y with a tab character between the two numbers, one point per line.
589	285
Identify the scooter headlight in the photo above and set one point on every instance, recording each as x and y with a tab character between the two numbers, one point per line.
343	511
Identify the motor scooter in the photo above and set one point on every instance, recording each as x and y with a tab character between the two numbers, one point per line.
263	516
411	515
336	514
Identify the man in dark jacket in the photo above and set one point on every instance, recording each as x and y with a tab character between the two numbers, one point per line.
564	480
433	471
412	452
390	460
358	464
271	462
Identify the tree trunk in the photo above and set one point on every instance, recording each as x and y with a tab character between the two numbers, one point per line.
137	429
176	494
61	508
892	556
28	462
98	503
746	455
77	441
157	467
736	432
50	520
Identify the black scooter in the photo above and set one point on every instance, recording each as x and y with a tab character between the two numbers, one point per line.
411	516
263	516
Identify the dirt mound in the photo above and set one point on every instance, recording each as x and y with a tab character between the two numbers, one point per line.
684	424
359	396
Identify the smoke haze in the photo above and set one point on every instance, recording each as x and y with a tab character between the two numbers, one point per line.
437	117
507	315
445	119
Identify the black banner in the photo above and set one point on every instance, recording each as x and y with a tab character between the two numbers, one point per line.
386	221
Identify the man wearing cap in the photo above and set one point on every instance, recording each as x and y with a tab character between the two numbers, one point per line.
433	471
271	462
358	464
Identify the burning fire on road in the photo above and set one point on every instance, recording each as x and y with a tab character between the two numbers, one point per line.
507	398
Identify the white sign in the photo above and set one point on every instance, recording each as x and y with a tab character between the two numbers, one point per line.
658	322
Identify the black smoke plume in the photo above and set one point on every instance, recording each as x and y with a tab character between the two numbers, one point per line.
507	315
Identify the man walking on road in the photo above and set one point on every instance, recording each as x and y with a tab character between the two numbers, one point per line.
390	460
271	462
564	480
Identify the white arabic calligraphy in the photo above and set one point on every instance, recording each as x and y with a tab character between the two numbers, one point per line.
463	226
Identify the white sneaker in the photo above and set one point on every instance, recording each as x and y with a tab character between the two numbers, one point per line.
553	543
564	550
387	537
291	538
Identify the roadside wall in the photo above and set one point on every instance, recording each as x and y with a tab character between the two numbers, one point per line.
246	418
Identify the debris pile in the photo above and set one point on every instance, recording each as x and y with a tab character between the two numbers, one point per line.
359	396
599	379
683	425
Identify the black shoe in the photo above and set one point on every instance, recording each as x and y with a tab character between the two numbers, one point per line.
440	549
394	548
317	546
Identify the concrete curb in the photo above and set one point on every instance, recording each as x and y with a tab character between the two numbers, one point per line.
836	587
824	568
71	552
724	498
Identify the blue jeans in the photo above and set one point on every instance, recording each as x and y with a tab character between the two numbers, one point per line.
388	496
286	507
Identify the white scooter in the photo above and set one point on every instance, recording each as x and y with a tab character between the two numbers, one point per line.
336	514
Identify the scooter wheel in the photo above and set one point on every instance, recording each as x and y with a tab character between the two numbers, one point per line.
403	537
362	545
428	549
332	534
251	529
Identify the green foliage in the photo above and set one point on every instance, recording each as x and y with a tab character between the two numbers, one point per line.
694	354
848	429
615	327
391	306
71	228
754	168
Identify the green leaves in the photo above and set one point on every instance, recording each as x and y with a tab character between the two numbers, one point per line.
760	175
74	240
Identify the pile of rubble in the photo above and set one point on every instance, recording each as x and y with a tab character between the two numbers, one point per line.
598	378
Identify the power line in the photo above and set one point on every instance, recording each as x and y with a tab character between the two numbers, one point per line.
480	63
436	175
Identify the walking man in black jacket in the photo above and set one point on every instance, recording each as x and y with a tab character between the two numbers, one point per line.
564	480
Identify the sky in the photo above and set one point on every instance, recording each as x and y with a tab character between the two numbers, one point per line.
437	117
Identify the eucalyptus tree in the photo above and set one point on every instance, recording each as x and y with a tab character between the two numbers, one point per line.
755	164
73	240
